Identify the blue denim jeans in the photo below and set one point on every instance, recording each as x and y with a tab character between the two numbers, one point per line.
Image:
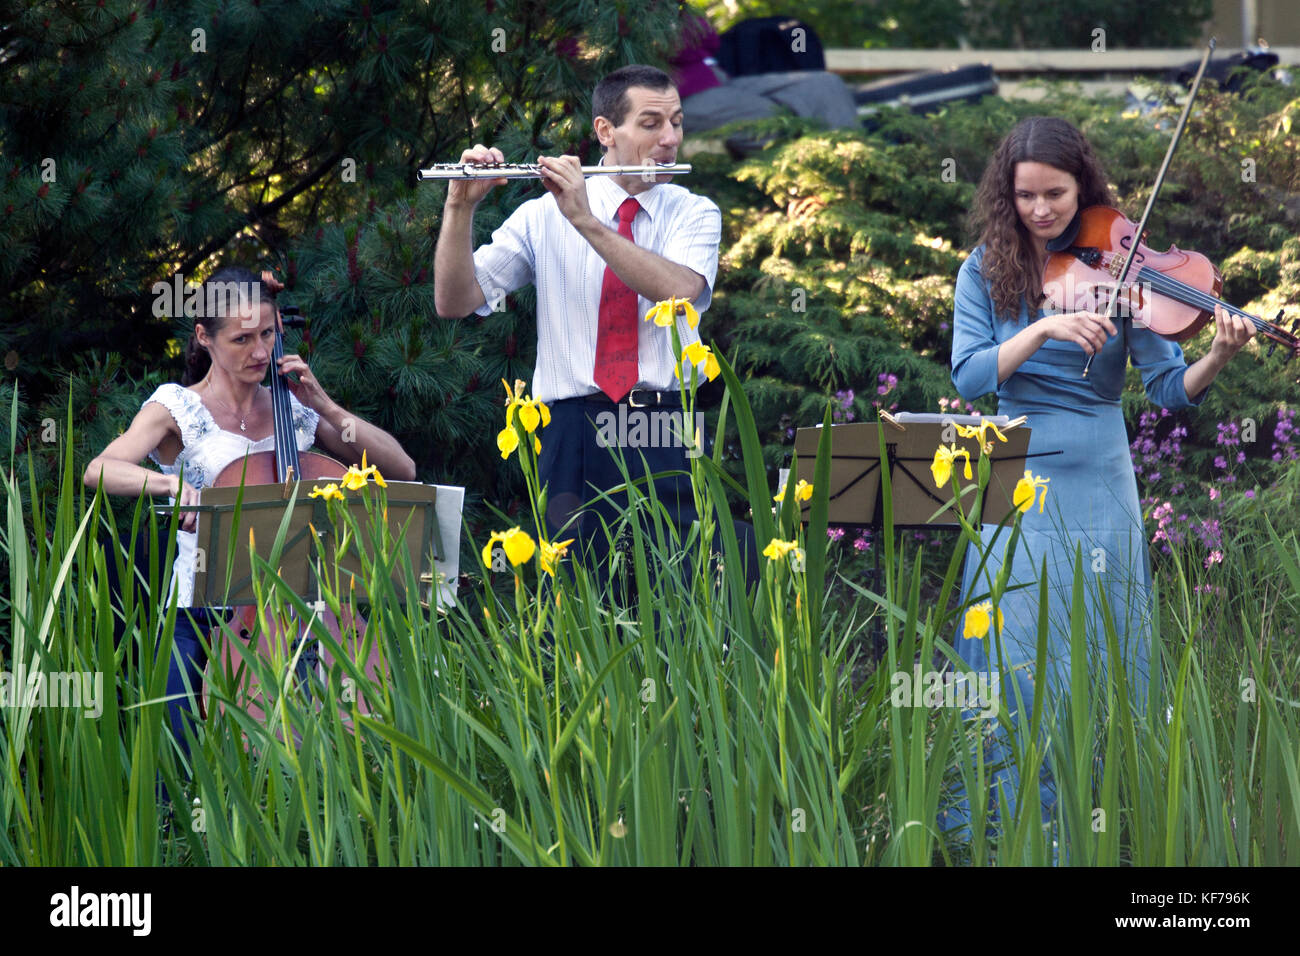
185	675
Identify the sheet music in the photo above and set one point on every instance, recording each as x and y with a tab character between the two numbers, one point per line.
939	418
448	507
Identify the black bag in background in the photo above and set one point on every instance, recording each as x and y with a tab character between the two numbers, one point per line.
770	45
1222	70
928	90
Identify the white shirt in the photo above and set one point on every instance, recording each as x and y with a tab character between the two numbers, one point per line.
538	244
206	450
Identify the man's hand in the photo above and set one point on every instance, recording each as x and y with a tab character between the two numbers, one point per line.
562	177
456	292
470	192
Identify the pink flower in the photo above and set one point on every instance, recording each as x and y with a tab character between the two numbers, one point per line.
1214	494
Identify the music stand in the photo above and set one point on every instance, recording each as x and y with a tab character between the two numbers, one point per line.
856	492
423	518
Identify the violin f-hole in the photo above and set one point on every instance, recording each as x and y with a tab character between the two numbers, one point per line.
1126	242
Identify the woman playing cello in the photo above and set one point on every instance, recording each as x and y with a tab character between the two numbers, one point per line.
220	413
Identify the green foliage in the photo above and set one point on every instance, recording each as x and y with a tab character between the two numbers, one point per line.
694	724
142	143
839	283
839	253
1159	23
855	23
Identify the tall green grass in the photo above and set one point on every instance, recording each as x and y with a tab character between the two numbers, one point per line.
547	720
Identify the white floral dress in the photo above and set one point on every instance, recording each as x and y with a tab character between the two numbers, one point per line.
207	450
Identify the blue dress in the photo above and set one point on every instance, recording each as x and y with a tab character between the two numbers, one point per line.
1091	503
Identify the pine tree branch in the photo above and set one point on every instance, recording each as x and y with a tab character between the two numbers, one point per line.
260	212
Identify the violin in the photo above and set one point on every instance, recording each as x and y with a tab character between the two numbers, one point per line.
1173	293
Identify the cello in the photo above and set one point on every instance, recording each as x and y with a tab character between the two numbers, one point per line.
284	464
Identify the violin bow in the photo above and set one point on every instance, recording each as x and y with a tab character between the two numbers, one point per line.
1155	191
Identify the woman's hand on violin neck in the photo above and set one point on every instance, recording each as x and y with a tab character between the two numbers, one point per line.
1231	332
1088	330
307	389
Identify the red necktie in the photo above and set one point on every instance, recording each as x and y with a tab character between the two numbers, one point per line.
616	327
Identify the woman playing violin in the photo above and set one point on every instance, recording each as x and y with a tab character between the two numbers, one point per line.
1004	341
220	413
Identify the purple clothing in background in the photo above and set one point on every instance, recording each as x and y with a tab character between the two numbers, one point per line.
699	42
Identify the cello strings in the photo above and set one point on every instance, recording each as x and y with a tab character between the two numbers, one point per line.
280	412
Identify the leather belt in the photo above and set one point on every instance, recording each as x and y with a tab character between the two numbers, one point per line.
637	398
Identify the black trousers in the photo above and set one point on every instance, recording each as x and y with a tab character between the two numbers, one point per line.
579	459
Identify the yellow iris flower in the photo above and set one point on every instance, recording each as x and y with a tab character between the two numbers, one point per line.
981	431
698	352
664	312
531	414
531	411
507	441
979	618
356	478
944	458
551	554
329	491
778	549
802	492
518	546
1026	488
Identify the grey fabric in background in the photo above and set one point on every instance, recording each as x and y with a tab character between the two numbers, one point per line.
817	94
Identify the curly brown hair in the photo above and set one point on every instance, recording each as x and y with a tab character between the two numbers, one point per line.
1010	262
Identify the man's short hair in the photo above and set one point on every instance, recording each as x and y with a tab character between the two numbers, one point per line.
610	98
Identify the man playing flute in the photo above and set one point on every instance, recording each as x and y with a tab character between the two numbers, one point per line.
601	252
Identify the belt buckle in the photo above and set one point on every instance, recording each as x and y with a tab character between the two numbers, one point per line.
632	402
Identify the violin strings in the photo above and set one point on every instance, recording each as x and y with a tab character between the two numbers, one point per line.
1190	295
1185	293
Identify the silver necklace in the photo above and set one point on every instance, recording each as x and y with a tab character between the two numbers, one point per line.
243	427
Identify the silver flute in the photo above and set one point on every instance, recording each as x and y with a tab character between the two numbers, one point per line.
534	171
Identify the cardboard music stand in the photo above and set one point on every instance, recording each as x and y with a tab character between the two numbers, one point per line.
425	519
910	443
